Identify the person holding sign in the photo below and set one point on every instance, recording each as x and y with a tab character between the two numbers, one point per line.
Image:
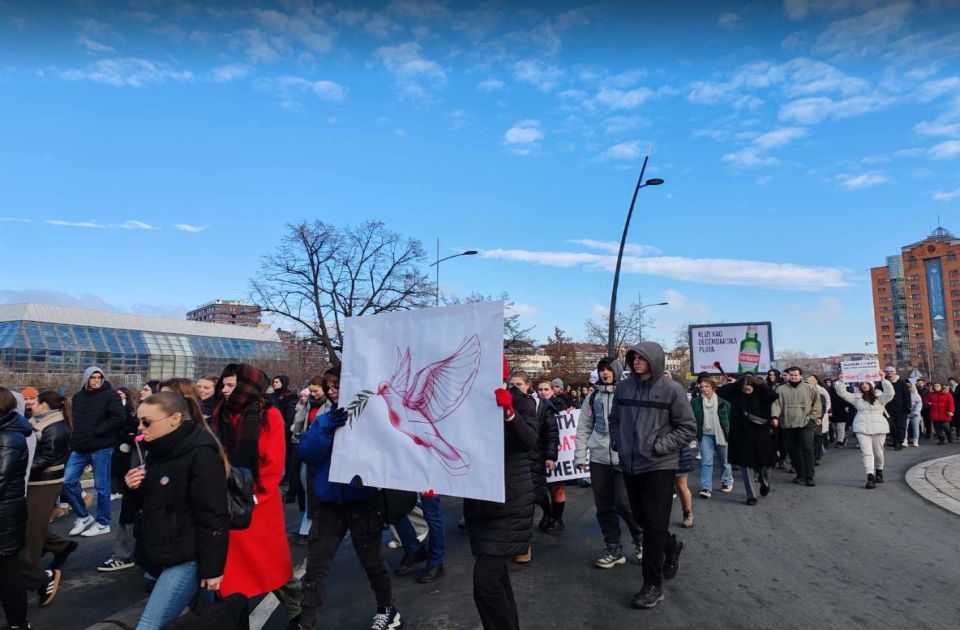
870	424
606	478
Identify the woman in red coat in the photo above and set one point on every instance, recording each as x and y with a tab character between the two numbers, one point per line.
940	402
252	434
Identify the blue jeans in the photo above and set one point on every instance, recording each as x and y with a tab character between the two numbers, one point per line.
100	460
434	542
913	426
709	449
175	589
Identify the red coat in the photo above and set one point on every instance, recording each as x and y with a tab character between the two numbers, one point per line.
941	403
258	558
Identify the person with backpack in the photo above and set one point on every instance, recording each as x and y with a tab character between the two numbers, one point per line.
606	478
15	454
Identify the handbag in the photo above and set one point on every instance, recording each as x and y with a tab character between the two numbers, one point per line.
755	419
223	613
240	497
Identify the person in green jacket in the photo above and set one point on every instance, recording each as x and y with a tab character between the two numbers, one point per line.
713	426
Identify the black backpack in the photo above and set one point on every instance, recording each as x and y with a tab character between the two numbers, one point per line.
240	497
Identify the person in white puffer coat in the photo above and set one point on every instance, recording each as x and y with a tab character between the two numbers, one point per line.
870	424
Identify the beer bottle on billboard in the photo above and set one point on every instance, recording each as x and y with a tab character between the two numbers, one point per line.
749	352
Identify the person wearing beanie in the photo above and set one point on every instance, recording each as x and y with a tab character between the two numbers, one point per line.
29	400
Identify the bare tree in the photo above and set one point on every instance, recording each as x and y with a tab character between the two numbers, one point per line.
513	329
629	324
321	274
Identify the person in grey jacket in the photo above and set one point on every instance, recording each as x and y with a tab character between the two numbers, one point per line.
606	479
650	421
799	416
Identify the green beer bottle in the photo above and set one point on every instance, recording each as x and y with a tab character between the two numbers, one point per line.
749	361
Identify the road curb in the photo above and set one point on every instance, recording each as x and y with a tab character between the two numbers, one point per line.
938	481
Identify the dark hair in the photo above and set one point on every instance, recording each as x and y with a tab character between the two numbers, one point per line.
182	386
129	402
316	381
153	385
327	378
189	409
709	381
869	396
8	402
523	376
56	402
794	368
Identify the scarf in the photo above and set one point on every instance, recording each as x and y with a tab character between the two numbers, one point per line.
237	419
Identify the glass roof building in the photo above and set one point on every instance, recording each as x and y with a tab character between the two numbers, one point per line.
38	339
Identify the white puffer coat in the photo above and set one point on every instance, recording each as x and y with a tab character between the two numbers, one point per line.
871	417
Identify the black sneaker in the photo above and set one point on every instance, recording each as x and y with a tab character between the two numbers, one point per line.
764	489
556	527
798	479
752	501
387	618
648	597
871	482
671	559
432	573
48	590
809	483
544	523
410	560
60	559
879	476
115	564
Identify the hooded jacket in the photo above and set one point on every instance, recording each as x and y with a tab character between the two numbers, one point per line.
651	419
316	449
14	465
98	416
286	401
799	405
593	432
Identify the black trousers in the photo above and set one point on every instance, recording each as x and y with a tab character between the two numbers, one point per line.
331	522
493	594
13	592
294	487
898	428
651	499
610	496
943	431
799	443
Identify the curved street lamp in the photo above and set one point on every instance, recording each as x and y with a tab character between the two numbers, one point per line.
656	181
640	316
469	252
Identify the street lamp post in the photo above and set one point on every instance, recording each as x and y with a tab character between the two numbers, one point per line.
623	243
640	315
469	252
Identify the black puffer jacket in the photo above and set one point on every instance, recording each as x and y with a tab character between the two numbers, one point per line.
184	512
546	446
53	448
504	529
98	419
14	430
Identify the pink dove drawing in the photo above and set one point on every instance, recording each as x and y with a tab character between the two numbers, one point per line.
416	406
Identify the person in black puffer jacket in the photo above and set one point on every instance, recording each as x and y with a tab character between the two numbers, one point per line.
98	419
546	450
14	462
183	527
284	399
500	531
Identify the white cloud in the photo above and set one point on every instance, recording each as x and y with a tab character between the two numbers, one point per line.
701	270
945	150
764	180
599	310
544	77
946	195
799	9
932	90
289	89
490	85
939	127
864	34
813	110
623	99
730	22
79	224
15	220
613	247
126	72
850	181
778	137
749	157
523	136
415	75
135	225
93	46
521	309
624	151
231	72
186	227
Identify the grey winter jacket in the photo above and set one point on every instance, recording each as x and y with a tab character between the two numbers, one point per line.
651	419
592	426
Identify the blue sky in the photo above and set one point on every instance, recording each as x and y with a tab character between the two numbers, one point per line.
151	152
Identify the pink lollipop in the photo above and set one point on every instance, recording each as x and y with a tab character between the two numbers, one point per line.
136	442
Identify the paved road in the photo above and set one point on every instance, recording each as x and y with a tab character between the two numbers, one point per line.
832	556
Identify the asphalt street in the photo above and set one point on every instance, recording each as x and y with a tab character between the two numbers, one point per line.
833	556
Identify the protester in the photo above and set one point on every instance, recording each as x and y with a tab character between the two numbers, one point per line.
15	434
206	388
942	411
98	417
416	550
29	401
501	531
341	508
913	421
148	389
924	389
252	435
839	414
822	428
898	409
315	403
183	524
954	388
51	423
870	425
553	500
685	466
285	400
609	491
713	426
648	438
120	461
751	422
799	412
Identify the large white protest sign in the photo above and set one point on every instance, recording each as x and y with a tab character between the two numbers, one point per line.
418	386
738	348
866	370
565	470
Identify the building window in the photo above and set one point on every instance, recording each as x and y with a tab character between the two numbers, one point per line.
951	256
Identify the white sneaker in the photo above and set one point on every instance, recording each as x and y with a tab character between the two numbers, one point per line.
80	524
394	544
115	496
97	530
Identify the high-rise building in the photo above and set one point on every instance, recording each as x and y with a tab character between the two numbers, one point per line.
916	305
235	312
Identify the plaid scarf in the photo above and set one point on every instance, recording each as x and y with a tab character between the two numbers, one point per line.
237	420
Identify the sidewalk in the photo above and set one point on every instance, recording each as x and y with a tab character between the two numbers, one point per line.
938	481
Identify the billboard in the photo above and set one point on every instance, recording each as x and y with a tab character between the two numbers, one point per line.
739	348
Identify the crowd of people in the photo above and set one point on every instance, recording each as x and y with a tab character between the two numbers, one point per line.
198	466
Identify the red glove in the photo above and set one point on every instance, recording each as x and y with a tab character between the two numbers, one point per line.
505	400
429	494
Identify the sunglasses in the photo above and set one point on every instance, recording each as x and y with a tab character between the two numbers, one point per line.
145	422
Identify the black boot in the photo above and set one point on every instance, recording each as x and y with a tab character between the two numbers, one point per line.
879	476
671	560
556	526
871	482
